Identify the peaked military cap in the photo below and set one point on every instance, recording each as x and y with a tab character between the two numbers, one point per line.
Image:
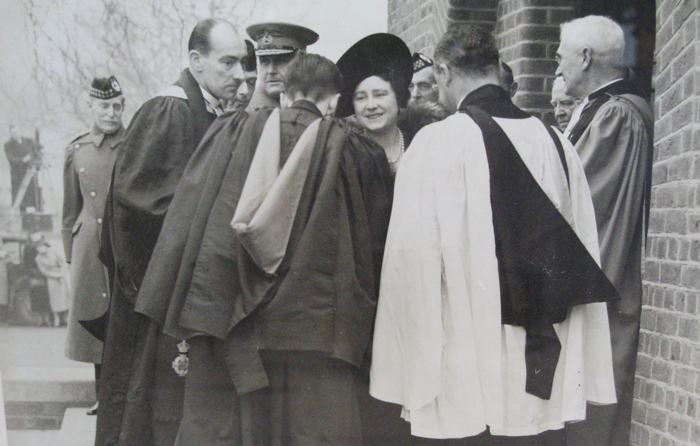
421	61
276	38
105	88
376	54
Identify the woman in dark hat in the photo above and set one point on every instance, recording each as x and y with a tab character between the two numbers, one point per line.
377	71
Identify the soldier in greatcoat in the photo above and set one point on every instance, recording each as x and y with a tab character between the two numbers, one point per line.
88	168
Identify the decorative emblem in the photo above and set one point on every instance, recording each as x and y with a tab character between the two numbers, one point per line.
182	362
266	38
115	85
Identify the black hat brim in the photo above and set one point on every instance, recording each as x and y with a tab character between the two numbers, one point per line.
373	55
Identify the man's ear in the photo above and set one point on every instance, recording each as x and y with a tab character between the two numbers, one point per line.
444	71
195	61
333	105
587	60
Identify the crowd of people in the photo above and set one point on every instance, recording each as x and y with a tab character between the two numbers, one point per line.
379	251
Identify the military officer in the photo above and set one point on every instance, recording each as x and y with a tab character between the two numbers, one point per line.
277	44
423	86
88	168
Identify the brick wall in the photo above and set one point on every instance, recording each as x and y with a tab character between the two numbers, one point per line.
420	23
667	391
527	34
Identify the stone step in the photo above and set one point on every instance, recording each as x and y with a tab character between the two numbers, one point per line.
77	429
37	397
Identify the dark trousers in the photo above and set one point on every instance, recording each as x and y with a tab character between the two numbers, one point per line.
548	438
310	401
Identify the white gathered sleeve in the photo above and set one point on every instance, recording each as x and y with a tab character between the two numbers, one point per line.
440	349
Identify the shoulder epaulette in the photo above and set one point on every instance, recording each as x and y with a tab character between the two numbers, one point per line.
77	137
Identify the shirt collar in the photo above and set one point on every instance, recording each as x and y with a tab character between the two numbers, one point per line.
213	104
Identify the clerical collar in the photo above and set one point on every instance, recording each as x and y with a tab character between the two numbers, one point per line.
213	104
495	101
602	89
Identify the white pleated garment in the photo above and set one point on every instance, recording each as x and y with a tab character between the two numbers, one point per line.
440	349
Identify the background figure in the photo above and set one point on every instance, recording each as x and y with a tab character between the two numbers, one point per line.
250	73
562	103
140	394
612	133
423	87
50	265
506	79
21	152
4	285
278	43
87	172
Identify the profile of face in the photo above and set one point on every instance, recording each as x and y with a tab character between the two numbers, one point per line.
271	70
220	71
562	103
376	105
570	67
423	87
246	89
107	113
16	133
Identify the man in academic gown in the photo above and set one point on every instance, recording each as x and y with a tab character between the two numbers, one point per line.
491	326
141	396
283	301
612	133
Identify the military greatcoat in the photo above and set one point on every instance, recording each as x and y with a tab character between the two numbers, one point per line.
87	171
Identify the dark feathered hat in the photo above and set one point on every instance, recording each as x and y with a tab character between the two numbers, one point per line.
373	55
105	88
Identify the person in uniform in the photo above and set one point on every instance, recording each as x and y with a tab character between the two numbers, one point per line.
562	103
298	248
87	170
277	44
423	87
612	132
491	325
20	152
140	395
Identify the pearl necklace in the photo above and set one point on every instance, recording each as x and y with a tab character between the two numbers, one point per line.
401	149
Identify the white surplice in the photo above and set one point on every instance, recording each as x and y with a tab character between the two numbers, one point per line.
440	349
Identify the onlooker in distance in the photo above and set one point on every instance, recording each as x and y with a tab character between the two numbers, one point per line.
423	87
21	152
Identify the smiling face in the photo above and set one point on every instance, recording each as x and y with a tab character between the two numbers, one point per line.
220	70
107	113
376	106
271	70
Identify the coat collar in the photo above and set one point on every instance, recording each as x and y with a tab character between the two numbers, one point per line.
97	136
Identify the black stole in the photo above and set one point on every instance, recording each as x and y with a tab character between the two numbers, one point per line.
543	266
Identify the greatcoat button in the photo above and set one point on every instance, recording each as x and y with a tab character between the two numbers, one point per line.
99	221
77	146
93	194
81	170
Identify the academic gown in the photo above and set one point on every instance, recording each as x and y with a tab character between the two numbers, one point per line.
615	143
222	269
139	390
441	349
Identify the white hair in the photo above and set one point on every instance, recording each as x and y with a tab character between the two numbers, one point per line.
601	35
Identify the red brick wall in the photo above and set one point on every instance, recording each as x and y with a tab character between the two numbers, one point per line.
667	405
